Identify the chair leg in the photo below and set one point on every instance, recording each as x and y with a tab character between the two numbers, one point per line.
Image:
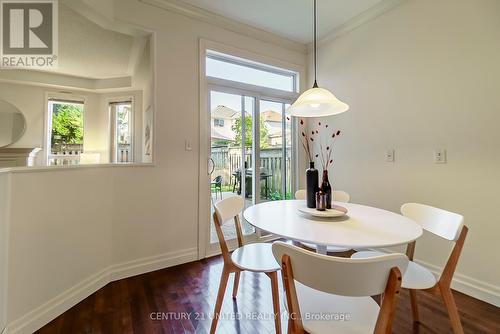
290	326
414	305
451	307
236	283
220	297
276	300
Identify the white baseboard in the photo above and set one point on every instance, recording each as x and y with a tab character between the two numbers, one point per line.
48	311
486	292
469	286
152	263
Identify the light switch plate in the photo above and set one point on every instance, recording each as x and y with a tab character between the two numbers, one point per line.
389	155
188	145
440	156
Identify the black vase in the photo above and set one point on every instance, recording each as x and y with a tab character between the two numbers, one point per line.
326	188
312	179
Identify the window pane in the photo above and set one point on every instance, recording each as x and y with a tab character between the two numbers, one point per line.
232	174
66	135
228	70
274	167
123	118
288	155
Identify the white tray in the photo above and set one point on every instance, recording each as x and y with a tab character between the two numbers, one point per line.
335	211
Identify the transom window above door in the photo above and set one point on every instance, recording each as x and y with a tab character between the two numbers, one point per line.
227	67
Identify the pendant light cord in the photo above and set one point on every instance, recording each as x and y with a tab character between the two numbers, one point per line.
315	48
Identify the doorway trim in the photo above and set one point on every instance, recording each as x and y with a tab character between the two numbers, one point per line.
263	93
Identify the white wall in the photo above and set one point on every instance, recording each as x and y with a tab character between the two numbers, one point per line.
127	219
425	75
6	127
30	101
11	126
57	242
4	232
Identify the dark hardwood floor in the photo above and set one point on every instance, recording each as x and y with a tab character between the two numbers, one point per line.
180	300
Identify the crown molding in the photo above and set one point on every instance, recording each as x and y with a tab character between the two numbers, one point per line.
226	23
58	80
373	12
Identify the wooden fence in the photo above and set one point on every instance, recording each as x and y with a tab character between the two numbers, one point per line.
228	163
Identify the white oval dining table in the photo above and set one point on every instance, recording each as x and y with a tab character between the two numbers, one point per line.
363	226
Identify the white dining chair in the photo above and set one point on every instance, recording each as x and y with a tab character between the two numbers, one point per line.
256	257
338	196
447	225
326	294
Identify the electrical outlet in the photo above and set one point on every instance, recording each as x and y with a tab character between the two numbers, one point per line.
440	156
389	155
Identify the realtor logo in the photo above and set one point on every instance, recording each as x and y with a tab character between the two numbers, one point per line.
28	33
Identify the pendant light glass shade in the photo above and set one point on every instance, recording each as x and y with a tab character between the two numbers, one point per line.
317	102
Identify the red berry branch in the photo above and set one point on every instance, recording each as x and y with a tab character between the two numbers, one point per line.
308	141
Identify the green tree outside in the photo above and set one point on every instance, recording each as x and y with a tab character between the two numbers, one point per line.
248	132
67	122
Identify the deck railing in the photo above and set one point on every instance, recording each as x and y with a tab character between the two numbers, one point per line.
124	153
65	155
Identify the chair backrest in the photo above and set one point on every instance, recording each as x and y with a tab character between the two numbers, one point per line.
338	195
218	179
340	276
440	222
341	196
445	224
228	208
300	194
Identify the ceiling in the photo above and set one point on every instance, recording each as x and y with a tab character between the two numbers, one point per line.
288	18
87	50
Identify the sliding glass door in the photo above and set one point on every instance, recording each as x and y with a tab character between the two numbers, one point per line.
231	153
275	151
250	152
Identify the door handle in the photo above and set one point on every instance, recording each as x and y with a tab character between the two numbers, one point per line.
210	160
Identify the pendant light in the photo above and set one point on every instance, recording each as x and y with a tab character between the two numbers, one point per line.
317	102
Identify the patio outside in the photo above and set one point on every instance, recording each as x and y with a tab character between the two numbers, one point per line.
227	156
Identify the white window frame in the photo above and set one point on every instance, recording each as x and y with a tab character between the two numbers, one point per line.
249	63
63	97
207	84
